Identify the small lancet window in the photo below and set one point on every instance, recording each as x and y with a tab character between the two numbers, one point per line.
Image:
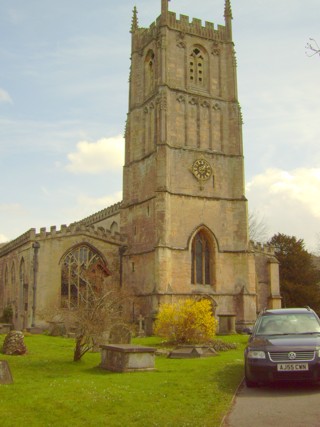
13	276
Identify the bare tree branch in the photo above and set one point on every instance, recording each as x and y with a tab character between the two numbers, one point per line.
258	229
313	48
97	308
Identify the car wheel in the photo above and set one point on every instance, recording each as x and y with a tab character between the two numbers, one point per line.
249	383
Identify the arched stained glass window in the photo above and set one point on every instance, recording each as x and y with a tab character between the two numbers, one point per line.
82	271
202	258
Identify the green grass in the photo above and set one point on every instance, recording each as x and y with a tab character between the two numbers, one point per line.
50	389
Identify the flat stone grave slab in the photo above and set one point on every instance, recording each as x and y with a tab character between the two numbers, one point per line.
191	351
127	358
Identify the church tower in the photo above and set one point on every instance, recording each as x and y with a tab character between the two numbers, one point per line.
184	209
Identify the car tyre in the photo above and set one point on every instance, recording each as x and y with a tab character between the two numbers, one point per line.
249	383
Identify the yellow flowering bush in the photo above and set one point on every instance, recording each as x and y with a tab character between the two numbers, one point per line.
186	322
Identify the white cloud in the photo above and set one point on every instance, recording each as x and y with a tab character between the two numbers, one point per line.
15	16
5	97
97	157
3	238
289	200
11	208
86	205
95	204
11	215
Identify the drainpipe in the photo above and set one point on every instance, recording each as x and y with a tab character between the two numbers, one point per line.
122	250
36	246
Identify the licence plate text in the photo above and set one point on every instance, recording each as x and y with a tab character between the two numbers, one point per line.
292	367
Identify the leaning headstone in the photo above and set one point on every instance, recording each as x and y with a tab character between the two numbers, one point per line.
14	344
120	334
5	373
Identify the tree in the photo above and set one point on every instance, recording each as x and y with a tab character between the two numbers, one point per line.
258	229
299	278
96	306
313	48
95	317
186	322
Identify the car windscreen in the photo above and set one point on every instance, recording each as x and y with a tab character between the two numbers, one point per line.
279	324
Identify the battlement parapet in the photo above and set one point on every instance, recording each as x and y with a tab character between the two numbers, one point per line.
65	231
258	247
19	241
184	25
101	215
195	27
79	228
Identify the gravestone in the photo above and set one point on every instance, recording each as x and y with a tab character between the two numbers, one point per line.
5	373
141	330
14	344
57	329
120	334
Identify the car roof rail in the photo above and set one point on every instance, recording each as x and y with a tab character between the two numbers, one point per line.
308	308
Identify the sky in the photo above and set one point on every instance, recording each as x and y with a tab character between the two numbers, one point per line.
64	68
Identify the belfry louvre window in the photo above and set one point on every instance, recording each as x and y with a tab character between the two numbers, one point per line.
149	71
201	260
82	271
197	73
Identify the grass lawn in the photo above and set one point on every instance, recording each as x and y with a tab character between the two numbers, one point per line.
50	389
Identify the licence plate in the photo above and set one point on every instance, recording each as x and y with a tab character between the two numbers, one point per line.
285	367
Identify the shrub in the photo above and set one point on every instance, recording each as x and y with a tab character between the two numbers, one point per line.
7	315
186	322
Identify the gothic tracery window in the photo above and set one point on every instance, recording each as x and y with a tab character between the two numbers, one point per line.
201	257
83	270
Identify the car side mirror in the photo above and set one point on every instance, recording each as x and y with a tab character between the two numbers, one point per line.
247	331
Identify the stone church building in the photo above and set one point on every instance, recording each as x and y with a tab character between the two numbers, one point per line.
181	229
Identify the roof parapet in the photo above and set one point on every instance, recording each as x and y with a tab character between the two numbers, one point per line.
262	248
208	31
65	231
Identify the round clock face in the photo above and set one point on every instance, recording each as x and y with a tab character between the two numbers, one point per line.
201	169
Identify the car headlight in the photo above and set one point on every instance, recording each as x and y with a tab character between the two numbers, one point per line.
256	354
